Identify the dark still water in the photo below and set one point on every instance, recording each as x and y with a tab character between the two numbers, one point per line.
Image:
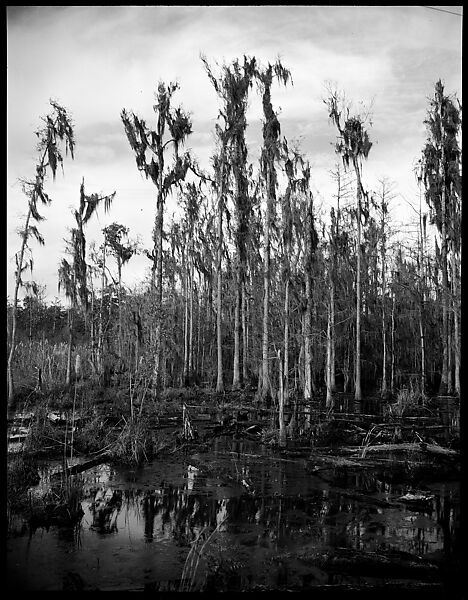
249	520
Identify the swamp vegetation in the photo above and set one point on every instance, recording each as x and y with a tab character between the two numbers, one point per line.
277	407
200	495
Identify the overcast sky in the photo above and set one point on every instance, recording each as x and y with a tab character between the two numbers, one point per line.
95	61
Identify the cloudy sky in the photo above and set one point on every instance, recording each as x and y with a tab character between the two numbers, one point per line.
96	61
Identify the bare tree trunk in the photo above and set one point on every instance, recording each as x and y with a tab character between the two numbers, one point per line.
19	263
119	271
346	374
423	348
357	381
333	338
186	330
383	389
449	355
199	341
237	318
422	279
444	379
307	331
282	431
286	346
392	363
456	322
265	383
92	333
69	351
220	383
158	280
330	363
329	398
100	359
238	299
210	321
245	335
191	351
443	389
137	341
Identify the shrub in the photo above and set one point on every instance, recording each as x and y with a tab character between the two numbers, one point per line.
407	400
134	443
93	436
43	436
22	473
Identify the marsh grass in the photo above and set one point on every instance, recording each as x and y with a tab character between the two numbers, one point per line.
22	473
198	548
134	443
43	437
52	502
94	435
408	401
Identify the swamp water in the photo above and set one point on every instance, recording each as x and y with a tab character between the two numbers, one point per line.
239	518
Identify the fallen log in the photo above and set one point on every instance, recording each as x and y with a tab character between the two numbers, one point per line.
418	499
432	449
365	498
321	462
387	565
79	468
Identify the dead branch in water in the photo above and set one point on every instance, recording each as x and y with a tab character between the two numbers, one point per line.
407	447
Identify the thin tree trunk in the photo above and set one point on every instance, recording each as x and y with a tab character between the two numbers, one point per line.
456	325
137	342
423	349
19	268
245	335
383	389
449	355
307	323
92	328
199	307
286	345
238	299
158	234
237	317
186	331
329	398
443	389
210	319
346	362
333	338
19	263
101	318
220	382
282	431
357	381
191	352
422	279
314	359
330	364
119	270
444	379
392	362
69	350
265	382
307	332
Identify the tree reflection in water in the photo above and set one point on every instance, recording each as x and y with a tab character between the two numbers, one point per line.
286	522
105	510
272	518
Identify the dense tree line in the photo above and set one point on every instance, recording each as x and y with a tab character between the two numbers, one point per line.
249	285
